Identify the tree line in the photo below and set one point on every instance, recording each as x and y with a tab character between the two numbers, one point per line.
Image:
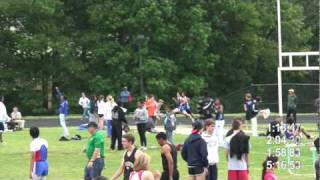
151	46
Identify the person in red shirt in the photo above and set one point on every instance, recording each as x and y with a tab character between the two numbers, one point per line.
151	106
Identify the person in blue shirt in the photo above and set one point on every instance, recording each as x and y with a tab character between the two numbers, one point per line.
63	112
125	97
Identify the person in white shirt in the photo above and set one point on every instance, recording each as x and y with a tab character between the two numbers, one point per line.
84	102
16	117
3	117
39	166
101	111
110	104
237	151
213	146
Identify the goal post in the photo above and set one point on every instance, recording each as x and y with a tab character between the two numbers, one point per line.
291	66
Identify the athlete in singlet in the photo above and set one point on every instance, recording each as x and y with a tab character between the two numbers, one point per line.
129	156
169	158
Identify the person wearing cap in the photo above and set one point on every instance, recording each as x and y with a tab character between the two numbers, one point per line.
195	153
94	152
292	105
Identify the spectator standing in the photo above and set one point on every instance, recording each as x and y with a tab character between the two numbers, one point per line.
93	112
151	106
110	104
94	152
251	113
213	146
84	102
101	104
141	118
292	105
219	126
39	166
237	150
118	117
169	123
3	117
63	113
125	97
195	153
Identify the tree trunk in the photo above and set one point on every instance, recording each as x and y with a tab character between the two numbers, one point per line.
49	94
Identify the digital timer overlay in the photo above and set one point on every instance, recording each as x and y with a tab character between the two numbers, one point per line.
294	149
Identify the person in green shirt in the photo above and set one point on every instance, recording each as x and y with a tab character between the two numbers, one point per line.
94	152
292	105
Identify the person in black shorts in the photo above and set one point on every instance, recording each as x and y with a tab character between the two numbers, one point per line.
169	158
129	156
195	153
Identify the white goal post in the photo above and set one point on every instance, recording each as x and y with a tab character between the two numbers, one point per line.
290	66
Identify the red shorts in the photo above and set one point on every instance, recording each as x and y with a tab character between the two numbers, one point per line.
238	175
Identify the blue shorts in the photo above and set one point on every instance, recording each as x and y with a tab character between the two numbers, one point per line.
41	168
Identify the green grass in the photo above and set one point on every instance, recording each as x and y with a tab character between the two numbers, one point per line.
67	161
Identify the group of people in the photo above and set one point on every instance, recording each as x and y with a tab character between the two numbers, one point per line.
98	109
11	123
200	150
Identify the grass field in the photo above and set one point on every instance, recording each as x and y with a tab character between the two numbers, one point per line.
67	161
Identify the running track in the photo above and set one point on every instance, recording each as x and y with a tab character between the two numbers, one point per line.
54	122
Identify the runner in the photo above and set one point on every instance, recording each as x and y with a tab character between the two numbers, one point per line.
169	158
3	117
237	150
63	113
94	152
219	128
39	166
141	118
129	157
213	146
195	153
110	104
183	106
84	102
251	113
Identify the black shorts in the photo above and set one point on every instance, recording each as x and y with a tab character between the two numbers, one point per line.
195	171
100	115
165	175
1	126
